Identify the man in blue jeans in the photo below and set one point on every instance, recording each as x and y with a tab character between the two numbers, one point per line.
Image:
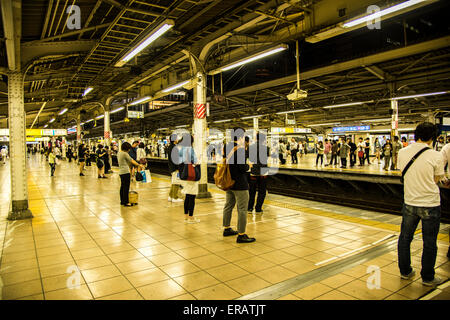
421	202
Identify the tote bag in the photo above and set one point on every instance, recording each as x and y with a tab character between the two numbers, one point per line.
189	172
146	176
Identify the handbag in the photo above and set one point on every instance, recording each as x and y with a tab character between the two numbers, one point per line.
139	176
147	178
189	172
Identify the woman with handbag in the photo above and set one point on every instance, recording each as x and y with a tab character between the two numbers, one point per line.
189	171
100	163
141	156
125	161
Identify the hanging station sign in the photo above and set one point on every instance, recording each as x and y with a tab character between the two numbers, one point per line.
275	130
38	132
352	128
135	114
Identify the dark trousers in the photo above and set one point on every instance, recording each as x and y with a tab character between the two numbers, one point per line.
334	158
294	156
124	188
321	159
283	161
361	161
52	168
352	159
430	217
88	161
344	162
366	157
189	204
107	165
257	183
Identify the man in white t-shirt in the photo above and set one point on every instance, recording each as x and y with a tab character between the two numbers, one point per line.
446	154
421	202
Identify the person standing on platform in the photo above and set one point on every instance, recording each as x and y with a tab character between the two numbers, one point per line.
294	149
4	153
52	160
377	147
258	155
353	149
87	156
320	151
301	149
334	153
361	146
367	151
133	155
446	158
404	142
282	152
422	202
81	157
100	155
173	168
125	162
396	146
440	143
238	194
327	152
187	155
343	152
106	159
387	153
140	154
69	154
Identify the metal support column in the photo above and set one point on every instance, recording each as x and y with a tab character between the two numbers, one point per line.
199	133
17	146
107	133
79	129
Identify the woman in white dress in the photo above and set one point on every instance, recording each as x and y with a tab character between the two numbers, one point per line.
190	188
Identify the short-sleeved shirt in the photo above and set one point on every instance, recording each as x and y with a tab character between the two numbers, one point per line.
446	153
124	160
420	189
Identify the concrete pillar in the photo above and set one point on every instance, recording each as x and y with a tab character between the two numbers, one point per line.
107	133
199	133
394	126
17	148
79	129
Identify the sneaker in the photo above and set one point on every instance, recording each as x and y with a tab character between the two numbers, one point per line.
259	212
409	276
244	239
229	232
194	220
249	211
433	283
170	199
177	200
104	177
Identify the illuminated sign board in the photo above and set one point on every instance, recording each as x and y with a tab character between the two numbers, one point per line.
353	128
71	131
290	130
38	132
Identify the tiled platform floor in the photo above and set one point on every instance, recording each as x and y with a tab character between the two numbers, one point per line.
148	252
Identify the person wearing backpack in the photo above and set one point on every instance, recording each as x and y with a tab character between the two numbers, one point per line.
258	155
422	169
238	195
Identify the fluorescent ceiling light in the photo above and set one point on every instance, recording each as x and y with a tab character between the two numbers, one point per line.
87	91
377	120
155	34
144	99
118	109
53	119
178	85
381	13
220	121
90	120
163	129
251	117
294	111
346	104
100	117
322	124
183	126
420	95
46	126
63	111
252	58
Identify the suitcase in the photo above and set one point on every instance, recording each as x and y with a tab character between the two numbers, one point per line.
133	197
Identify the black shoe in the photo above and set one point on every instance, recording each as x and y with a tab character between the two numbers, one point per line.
99	177
104	177
81	175
259	212
229	232
244	239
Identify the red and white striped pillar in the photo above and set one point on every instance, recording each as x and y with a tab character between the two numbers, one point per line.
199	132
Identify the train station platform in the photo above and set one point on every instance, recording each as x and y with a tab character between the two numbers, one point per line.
303	250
